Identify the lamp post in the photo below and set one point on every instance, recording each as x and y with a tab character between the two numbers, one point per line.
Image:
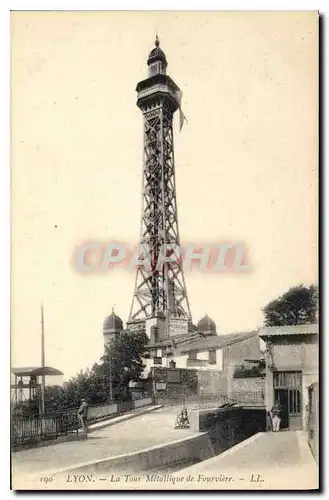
126	370
108	382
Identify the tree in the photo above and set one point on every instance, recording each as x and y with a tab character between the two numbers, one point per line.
122	362
298	306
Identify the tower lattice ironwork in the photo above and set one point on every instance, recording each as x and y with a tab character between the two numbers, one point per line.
160	286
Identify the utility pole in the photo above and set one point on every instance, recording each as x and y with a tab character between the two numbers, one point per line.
111	387
43	381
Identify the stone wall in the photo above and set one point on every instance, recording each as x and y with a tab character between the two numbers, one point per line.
227	427
173	384
248	384
235	354
211	382
214	382
182	452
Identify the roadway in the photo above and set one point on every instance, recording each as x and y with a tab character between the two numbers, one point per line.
138	433
265	461
271	460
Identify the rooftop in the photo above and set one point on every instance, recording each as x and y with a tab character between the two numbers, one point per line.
36	371
272	331
215	342
195	341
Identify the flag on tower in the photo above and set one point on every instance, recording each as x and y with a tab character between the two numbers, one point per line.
182	117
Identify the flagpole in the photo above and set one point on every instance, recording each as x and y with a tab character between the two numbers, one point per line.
43	379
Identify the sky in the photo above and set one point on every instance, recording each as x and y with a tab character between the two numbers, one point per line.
246	164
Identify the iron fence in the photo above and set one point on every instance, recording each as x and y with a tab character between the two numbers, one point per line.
256	398
105	411
206	400
29	429
32	429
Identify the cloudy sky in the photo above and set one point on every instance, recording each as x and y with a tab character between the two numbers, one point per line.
246	163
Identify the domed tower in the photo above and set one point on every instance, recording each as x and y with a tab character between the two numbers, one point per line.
157	62
207	326
112	327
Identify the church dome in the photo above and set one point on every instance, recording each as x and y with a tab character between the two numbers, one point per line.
207	326
157	54
112	323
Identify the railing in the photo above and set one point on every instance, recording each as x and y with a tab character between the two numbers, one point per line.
26	430
157	88
256	398
204	400
197	400
139	403
103	411
100	412
29	429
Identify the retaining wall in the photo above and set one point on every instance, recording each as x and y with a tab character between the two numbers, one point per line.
192	449
227	427
216	430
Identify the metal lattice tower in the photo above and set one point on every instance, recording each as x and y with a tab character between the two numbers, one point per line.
159	289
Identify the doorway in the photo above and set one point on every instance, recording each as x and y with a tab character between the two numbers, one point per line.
287	392
281	397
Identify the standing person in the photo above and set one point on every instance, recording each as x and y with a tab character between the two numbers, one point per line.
276	417
83	414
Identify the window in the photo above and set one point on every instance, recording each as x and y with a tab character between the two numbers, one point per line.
294	401
152	69
155	68
192	355
212	357
220	362
287	380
